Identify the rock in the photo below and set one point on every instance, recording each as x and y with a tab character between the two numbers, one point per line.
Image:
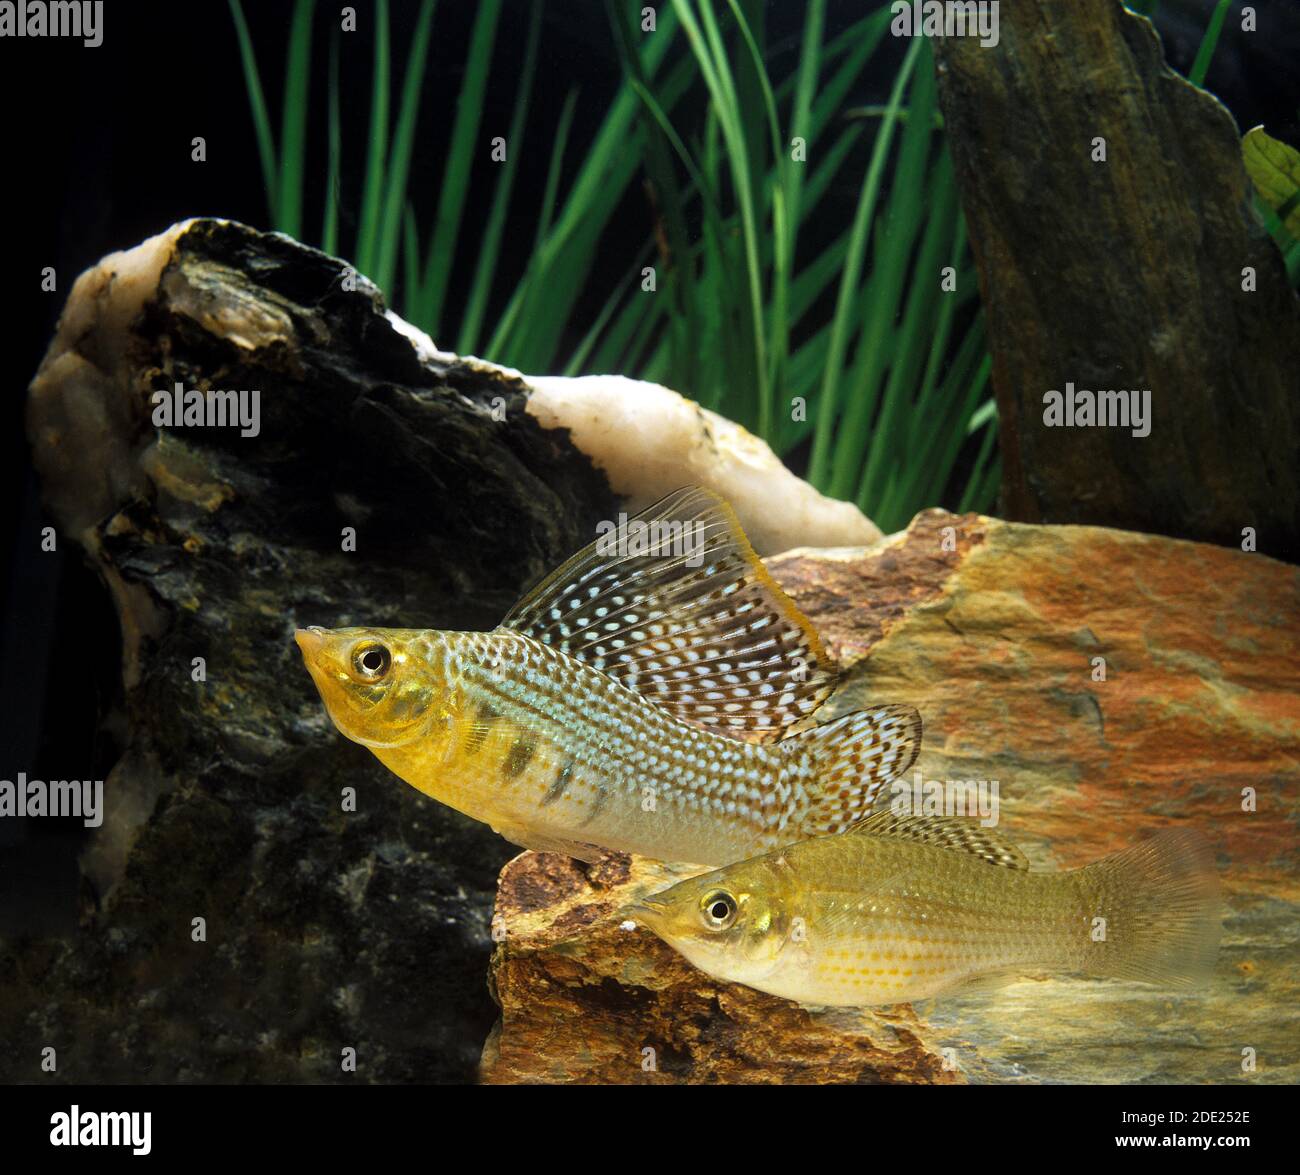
325	929
649	441
582	1000
995	643
1125	274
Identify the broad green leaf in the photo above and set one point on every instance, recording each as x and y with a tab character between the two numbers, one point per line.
1274	167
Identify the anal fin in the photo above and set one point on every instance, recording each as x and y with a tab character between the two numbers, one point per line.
540	842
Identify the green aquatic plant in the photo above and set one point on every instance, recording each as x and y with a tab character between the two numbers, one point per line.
1209	42
1273	166
855	355
840	353
1274	169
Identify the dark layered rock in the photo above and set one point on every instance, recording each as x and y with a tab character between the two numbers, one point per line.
326	929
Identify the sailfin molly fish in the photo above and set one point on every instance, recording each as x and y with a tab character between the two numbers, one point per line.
642	698
903	908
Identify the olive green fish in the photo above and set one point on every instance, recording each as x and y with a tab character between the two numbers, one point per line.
903	908
640	698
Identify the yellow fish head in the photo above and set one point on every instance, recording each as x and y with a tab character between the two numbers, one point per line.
382	687
733	923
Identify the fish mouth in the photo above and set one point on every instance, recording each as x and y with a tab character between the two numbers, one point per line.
313	643
647	912
310	641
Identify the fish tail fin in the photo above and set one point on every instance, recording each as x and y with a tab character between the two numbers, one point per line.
843	764
1162	911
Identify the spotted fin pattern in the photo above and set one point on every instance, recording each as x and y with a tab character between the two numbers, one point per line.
845	763
945	832
687	615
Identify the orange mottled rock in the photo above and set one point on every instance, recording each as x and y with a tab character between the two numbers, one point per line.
1110	683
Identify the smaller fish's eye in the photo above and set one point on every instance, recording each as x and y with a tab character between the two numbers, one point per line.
719	910
371	662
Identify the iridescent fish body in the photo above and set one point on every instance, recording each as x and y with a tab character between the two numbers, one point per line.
637	699
903	908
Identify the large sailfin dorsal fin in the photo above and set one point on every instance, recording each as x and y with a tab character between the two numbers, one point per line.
944	832
676	605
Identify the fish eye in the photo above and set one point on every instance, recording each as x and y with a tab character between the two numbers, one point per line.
371	662
718	910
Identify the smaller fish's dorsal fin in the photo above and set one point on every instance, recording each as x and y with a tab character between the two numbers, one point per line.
677	606
944	832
